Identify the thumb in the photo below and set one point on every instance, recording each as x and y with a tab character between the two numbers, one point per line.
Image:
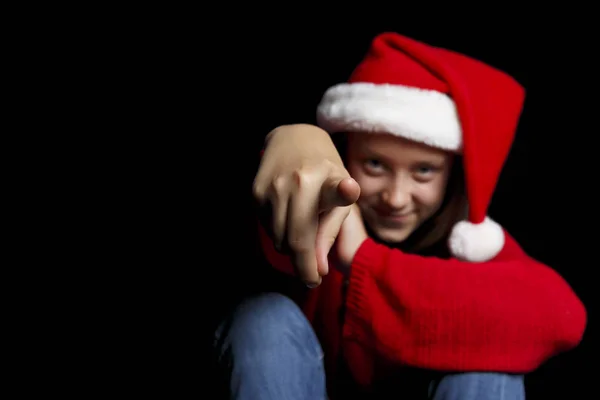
338	191
329	228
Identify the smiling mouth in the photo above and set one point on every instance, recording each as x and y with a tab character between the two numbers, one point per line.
395	218
387	214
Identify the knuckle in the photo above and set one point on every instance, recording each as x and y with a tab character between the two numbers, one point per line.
279	184
258	191
298	245
305	176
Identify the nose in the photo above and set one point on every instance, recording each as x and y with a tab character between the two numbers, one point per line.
397	194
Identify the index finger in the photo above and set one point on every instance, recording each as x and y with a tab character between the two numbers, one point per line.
338	191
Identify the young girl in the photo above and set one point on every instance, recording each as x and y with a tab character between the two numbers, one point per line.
411	284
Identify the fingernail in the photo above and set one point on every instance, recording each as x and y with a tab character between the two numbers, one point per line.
311	285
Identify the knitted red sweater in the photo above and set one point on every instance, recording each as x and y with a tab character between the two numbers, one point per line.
509	314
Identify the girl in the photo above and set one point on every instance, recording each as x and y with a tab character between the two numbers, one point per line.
412	285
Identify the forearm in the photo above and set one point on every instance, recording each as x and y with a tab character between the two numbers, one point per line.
507	315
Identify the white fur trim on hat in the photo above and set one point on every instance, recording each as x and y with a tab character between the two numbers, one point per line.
425	116
476	242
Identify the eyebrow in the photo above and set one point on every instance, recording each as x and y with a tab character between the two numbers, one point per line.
434	160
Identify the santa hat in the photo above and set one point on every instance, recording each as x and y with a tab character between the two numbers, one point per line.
443	99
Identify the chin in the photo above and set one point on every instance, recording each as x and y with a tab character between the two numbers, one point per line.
392	235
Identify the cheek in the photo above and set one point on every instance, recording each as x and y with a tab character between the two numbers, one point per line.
369	186
430	195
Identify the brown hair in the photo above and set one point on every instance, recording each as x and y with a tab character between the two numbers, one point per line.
432	236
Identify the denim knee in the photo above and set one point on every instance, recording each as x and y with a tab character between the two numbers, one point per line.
267	349
265	325
478	385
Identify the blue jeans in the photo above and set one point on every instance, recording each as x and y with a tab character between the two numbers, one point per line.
267	349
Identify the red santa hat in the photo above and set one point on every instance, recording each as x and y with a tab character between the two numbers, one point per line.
443	99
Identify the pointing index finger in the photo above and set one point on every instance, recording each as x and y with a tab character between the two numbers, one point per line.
338	192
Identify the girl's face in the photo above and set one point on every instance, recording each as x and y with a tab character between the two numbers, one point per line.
402	183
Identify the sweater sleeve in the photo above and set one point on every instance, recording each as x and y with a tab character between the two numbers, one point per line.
507	315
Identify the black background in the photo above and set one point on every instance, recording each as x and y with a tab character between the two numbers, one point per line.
202	91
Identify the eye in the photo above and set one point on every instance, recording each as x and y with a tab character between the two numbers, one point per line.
424	169
373	166
425	172
373	163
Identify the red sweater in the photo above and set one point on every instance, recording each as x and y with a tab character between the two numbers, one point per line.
509	314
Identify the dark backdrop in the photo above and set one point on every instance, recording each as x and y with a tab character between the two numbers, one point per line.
542	195
215	87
